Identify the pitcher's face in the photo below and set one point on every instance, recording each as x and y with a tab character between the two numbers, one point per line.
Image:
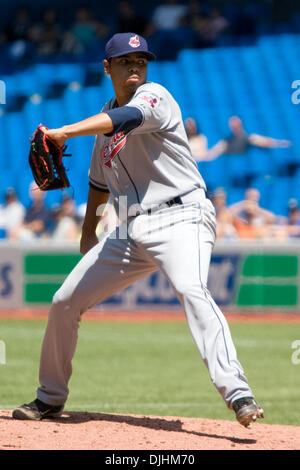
128	71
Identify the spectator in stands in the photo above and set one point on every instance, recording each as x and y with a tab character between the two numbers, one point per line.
19	28
288	227
129	20
164	33
217	24
37	220
195	16
225	227
85	32
207	27
11	212
252	197
168	16
47	34
239	141
198	142
250	219
293	220
66	222
80	211
18	35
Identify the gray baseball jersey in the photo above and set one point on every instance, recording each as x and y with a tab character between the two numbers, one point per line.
152	163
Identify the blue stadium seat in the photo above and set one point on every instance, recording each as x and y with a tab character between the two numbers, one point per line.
67	73
237	167
295	185
234	195
260	162
23	184
19	142
44	75
54	115
107	89
215	172
81	149
33	115
264	184
52	198
92	100
281	193
81	187
73	105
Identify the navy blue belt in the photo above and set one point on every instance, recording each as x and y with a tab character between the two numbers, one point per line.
173	202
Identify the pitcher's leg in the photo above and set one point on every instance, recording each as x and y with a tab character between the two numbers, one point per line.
183	253
212	336
103	271
211	332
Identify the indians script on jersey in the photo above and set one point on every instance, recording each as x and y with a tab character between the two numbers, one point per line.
115	144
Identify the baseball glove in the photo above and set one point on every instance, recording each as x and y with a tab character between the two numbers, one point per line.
45	160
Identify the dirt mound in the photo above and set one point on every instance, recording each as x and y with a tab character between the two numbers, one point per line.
101	431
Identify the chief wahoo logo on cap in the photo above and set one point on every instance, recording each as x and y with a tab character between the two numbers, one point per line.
134	41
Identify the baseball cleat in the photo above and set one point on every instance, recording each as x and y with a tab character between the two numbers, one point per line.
37	410
247	411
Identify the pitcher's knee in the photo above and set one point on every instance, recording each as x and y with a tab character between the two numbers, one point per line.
63	299
59	297
63	307
193	297
186	290
70	298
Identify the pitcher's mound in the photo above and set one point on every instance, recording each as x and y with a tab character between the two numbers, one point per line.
103	431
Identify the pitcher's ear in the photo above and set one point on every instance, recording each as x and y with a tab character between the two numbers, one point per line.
106	66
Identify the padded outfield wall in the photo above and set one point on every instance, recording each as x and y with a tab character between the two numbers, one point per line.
246	276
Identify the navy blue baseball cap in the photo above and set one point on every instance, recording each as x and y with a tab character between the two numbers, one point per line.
126	43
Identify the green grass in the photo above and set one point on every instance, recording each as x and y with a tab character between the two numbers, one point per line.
154	368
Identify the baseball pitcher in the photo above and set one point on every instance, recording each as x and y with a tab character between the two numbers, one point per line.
142	161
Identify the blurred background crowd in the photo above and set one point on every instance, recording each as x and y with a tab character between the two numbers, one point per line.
27	37
245	219
79	29
236	103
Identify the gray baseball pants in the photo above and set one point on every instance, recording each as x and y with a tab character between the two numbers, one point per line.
178	240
